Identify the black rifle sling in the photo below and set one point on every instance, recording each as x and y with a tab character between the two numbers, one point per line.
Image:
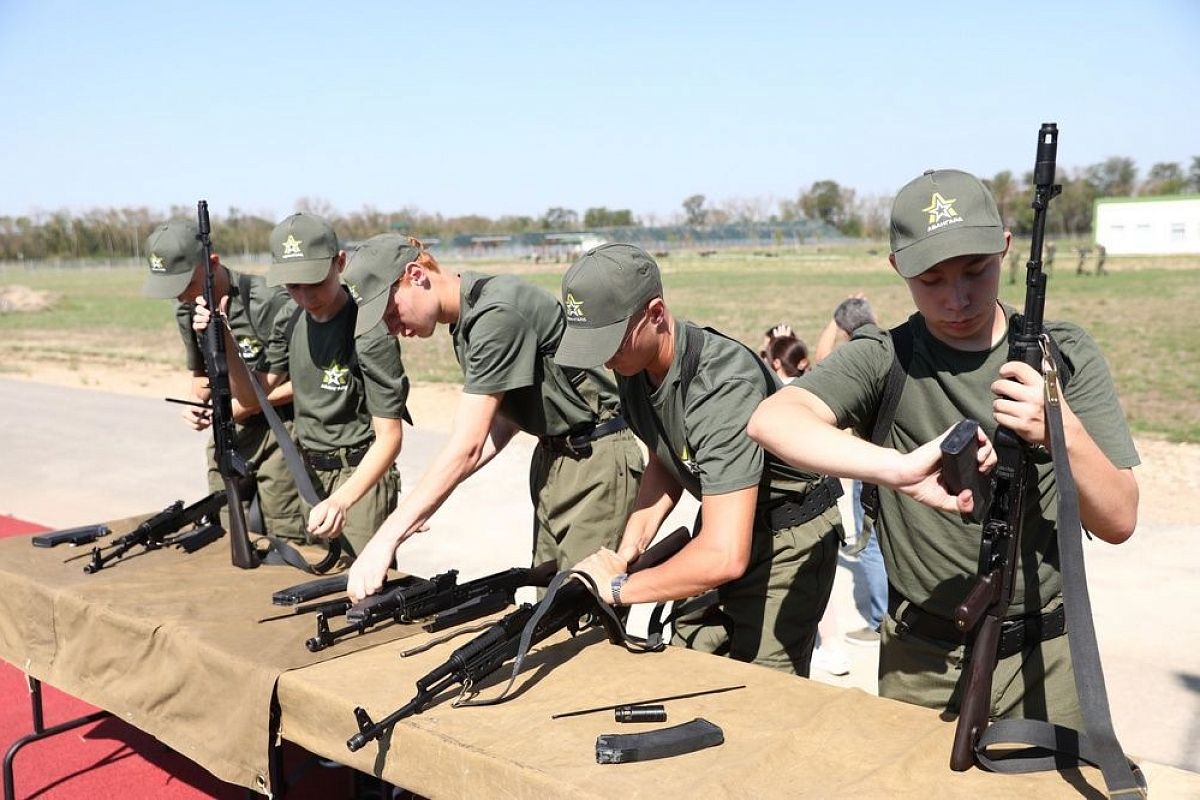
1098	746
612	623
281	551
902	345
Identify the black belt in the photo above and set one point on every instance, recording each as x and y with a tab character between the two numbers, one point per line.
335	459
790	512
1015	634
579	443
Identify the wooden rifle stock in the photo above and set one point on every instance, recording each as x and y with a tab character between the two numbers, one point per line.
976	706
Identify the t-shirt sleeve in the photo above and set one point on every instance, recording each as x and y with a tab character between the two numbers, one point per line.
851	380
278	347
501	352
383	373
716	419
1093	397
191	349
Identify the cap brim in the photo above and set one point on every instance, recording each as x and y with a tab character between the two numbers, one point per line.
954	242
298	272
589	347
166	287
370	313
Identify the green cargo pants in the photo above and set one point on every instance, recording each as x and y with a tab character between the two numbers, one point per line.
1037	683
769	615
364	517
581	504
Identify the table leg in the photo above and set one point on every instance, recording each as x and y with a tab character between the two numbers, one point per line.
40	731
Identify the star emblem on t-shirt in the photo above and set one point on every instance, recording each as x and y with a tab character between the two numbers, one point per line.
940	208
249	347
335	378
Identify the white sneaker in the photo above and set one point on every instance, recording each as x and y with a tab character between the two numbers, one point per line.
832	661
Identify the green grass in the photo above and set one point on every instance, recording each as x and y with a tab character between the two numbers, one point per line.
1142	314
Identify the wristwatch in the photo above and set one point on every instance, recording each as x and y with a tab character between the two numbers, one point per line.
617	582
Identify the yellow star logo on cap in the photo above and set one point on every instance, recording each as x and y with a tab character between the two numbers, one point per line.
156	264
574	307
291	247
940	208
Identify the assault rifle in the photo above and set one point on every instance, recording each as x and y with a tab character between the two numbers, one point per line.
160	531
573	607
442	595
984	608
230	463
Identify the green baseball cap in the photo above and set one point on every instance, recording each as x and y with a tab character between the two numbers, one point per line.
173	251
301	248
374	267
601	291
943	214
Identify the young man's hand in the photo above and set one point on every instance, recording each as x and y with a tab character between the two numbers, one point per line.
919	475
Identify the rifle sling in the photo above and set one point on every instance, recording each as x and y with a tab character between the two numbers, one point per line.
614	626
1064	748
280	551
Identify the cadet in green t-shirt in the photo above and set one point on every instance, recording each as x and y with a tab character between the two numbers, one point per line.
176	260
948	244
349	394
585	470
768	536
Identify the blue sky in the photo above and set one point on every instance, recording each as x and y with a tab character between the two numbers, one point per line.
511	108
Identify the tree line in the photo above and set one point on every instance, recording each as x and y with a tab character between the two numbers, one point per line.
121	233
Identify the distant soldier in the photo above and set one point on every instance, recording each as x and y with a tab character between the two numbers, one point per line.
176	260
1048	259
1083	254
1101	254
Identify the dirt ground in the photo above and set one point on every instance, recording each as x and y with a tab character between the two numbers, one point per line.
1169	476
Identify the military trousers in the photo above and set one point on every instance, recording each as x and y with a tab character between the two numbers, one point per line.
274	484
1036	683
769	615
581	503
364	517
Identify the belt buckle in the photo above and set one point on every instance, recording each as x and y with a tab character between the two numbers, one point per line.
581	450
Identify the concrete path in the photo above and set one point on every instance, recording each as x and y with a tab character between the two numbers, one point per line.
72	456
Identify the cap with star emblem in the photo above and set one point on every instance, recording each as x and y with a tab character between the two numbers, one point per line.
173	251
943	214
601	291
375	266
302	247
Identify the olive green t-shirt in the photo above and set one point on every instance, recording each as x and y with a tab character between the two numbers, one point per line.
932	556
504	340
702	441
338	382
253	307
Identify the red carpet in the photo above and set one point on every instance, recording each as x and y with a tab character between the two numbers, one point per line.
110	758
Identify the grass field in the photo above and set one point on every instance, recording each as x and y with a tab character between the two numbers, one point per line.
1141	315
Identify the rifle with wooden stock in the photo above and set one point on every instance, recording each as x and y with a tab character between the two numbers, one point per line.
230	463
985	606
982	613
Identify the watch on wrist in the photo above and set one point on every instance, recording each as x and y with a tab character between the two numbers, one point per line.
617	582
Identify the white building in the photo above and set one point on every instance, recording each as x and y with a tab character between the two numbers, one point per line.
1169	224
